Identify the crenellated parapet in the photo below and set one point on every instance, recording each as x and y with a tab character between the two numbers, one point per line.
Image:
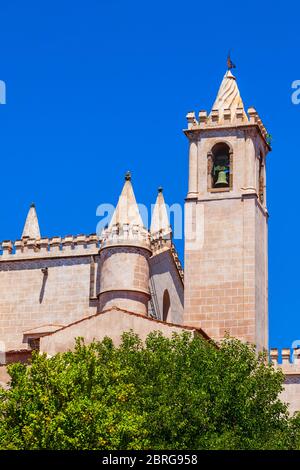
227	111
70	245
216	118
161	240
177	262
286	359
126	234
254	118
226	118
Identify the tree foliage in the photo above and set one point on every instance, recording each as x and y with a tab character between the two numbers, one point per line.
179	393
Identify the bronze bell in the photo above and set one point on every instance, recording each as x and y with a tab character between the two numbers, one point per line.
222	180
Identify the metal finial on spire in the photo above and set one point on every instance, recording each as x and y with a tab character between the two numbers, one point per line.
230	64
32	204
160	189
128	176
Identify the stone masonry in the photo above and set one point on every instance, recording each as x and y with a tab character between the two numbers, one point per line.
47	284
31	298
129	277
226	227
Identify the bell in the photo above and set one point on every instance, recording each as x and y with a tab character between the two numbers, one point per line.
222	180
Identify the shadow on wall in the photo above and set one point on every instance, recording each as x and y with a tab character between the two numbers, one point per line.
45	277
166	305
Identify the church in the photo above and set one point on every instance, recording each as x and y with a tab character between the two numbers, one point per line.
53	290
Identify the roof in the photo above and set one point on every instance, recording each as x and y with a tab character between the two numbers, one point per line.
127	211
43	329
117	309
31	227
228	97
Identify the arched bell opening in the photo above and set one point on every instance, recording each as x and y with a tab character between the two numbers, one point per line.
220	167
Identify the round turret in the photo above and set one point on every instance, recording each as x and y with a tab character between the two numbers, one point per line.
124	258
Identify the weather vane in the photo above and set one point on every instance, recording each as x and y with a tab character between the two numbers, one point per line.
230	64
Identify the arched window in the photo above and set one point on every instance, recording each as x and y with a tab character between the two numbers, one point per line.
166	305
219	167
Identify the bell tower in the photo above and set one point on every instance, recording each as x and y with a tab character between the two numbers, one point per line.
226	220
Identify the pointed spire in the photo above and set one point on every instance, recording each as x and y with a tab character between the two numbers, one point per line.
160	219
127	211
31	227
228	97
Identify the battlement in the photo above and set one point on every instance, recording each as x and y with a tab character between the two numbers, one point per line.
177	262
290	361
216	118
54	247
226	118
255	119
161	240
125	234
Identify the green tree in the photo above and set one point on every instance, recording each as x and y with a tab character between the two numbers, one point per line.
179	393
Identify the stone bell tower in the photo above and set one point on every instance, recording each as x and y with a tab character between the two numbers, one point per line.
226	218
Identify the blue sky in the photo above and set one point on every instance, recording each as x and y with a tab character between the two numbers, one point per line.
98	87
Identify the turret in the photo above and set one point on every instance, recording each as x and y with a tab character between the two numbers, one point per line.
124	257
160	229
160	224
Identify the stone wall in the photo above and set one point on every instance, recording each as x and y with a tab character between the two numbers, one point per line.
289	363
111	323
261	278
40	288
124	278
165	278
226	235
224	273
291	393
46	284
